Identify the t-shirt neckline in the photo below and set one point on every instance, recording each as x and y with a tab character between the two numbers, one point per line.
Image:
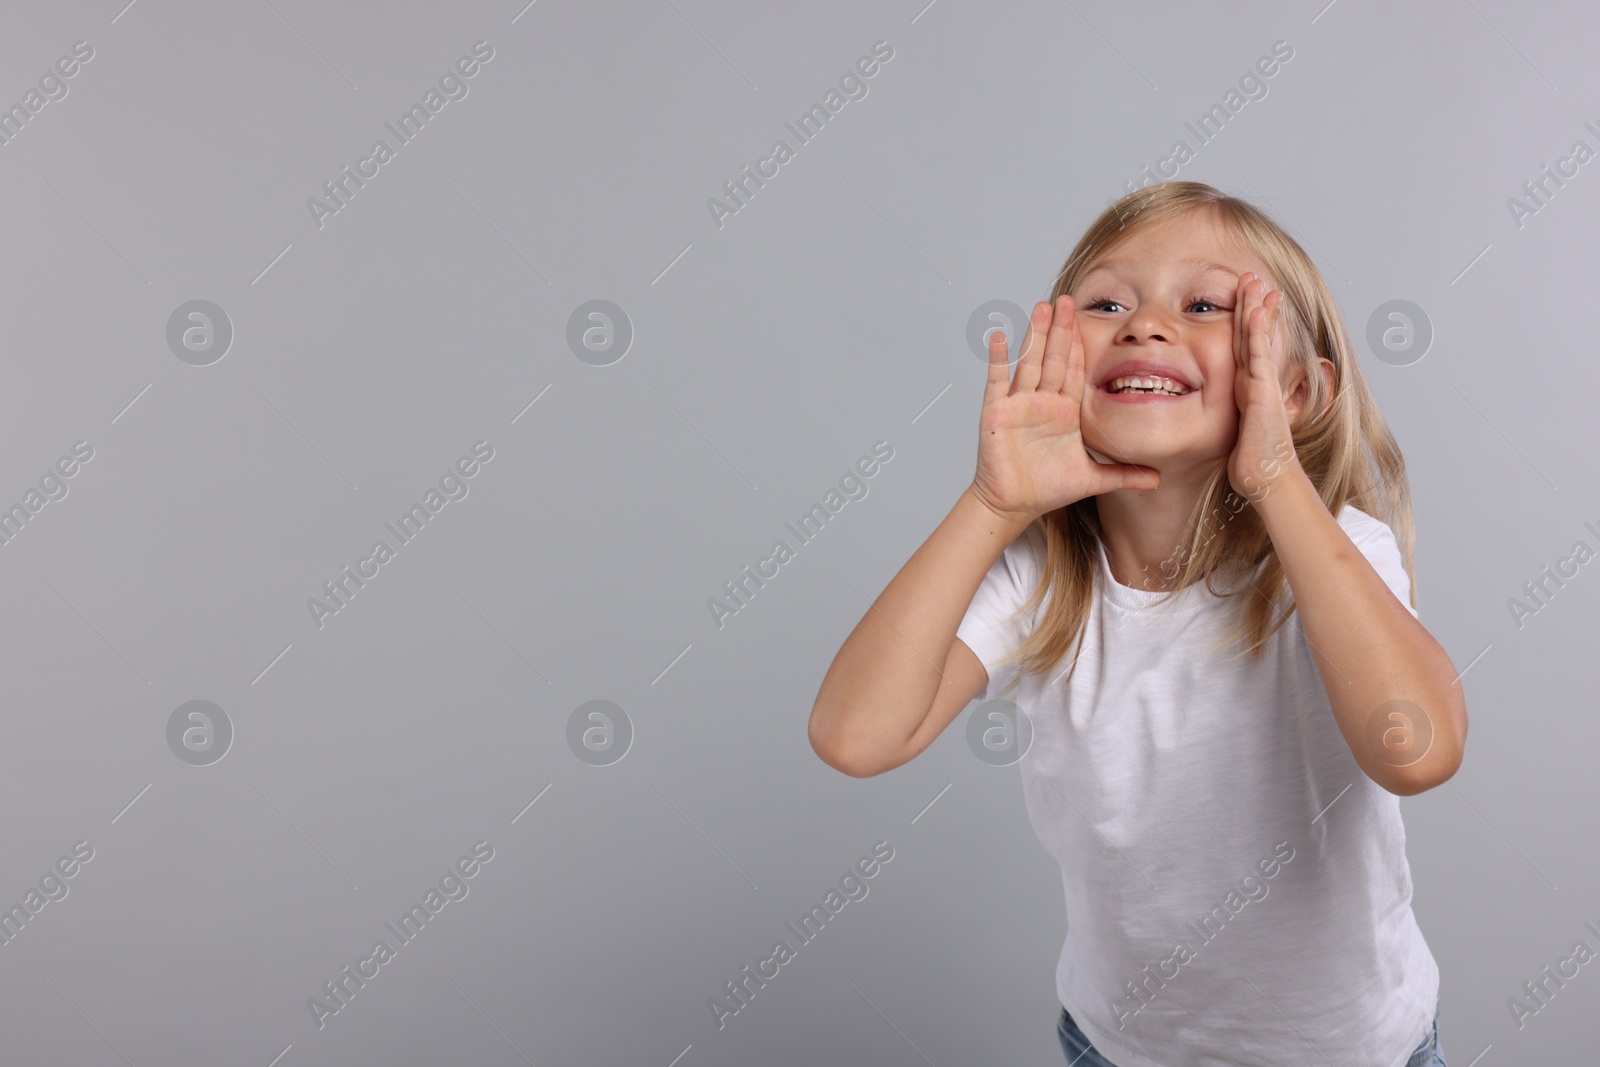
1133	598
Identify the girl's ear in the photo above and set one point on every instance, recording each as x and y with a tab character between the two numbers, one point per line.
1301	392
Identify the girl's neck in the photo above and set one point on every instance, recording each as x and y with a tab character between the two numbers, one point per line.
1146	530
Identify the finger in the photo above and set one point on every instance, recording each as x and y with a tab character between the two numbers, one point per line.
1056	346
1073	372
1252	367
1261	334
1251	301
1113	476
1032	350
1274	335
999	368
1258	299
1264	368
1241	317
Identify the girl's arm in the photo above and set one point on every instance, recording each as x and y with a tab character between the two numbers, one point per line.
1391	685
871	712
1394	691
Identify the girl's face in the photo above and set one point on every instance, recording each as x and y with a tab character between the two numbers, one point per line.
1161	304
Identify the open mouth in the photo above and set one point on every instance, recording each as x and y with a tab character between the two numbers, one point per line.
1146	386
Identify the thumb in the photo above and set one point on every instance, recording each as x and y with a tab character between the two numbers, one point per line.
1124	475
1127	476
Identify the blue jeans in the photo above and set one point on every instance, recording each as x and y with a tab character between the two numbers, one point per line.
1080	1053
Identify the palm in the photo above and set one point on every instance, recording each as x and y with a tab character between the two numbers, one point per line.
1031	449
1031	456
1265	439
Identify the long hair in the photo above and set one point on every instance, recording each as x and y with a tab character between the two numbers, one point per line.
1340	439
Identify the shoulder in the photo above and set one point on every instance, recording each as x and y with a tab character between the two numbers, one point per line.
1376	540
1031	542
1360	526
1028	550
1016	571
1022	561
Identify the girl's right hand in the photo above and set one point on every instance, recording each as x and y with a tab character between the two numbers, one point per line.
1031	457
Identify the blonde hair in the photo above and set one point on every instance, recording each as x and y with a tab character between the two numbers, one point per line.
1341	441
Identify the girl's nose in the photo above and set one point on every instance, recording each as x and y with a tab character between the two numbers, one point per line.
1147	328
1149	324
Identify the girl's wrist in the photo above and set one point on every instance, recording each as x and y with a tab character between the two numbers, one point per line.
1008	524
1284	494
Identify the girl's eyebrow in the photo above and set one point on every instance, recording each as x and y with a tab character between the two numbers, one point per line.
1205	266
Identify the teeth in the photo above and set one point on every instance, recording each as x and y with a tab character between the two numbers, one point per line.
1148	385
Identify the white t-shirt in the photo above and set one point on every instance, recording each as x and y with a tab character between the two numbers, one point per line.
1237	888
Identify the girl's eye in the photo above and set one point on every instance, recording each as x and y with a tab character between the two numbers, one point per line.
1094	305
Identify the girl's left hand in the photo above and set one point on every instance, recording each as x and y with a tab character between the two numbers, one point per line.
1265	446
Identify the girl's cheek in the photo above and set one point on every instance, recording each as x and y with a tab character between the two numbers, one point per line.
1220	383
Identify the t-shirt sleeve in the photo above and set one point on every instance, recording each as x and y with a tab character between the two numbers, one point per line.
992	626
1377	542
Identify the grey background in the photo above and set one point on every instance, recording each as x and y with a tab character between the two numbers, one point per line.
769	354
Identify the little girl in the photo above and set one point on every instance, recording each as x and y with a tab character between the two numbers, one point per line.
1189	486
